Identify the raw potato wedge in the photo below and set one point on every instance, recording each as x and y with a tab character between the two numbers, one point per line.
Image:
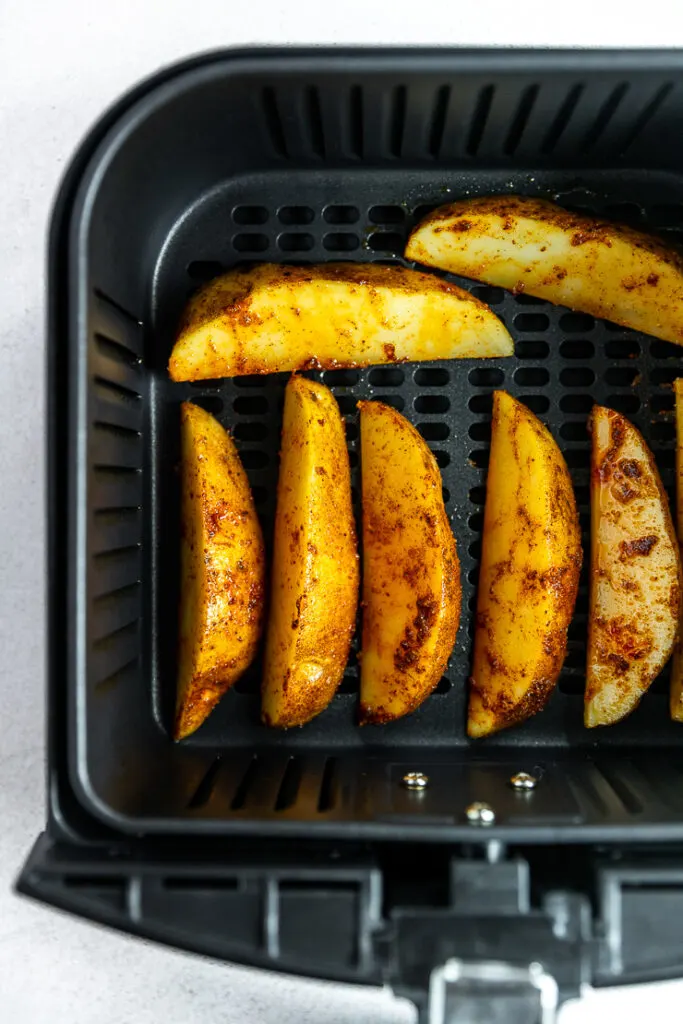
676	693
533	246
315	563
271	318
529	571
222	569
635	571
411	572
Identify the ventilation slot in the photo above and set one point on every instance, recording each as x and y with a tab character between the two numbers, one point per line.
274	122
563	118
618	782
289	787
438	120
479	119
646	116
118	308
315	122
520	120
326	798
111	680
356	122
118	389
117	350
204	790
398	120
242	791
607	112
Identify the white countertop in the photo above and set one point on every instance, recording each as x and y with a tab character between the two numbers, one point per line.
60	65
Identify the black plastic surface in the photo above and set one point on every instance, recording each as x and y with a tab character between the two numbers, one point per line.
333	156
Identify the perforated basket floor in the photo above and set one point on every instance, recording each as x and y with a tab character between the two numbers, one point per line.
564	362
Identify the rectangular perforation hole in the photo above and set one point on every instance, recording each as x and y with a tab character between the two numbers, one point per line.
296	215
341	241
250	214
385	241
341	214
295	242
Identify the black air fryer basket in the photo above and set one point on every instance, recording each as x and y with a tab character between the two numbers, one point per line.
303	850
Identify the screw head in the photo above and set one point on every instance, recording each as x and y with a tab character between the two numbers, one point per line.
415	780
523	781
480	813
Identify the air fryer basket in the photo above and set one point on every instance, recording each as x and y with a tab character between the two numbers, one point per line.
326	156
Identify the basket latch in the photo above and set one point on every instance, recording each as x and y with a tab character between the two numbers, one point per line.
491	992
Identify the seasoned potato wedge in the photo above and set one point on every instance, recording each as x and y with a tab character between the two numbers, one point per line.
635	571
529	571
533	246
411	572
270	318
222	569
676	700
315	562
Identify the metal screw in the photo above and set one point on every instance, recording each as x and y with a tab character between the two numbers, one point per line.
523	781
415	780
480	814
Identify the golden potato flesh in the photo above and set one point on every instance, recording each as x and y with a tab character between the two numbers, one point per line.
529	572
676	697
411	572
585	263
270	318
635	571
315	562
222	569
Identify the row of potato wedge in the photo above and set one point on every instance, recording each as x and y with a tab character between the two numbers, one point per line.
411	577
271	318
528	581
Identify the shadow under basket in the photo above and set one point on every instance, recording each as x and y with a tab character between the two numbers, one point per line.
308	156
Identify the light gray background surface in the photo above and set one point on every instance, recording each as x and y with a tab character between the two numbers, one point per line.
60	65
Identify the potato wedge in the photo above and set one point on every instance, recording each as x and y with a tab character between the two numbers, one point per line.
315	562
222	569
635	571
411	572
676	693
585	263
270	318
529	572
